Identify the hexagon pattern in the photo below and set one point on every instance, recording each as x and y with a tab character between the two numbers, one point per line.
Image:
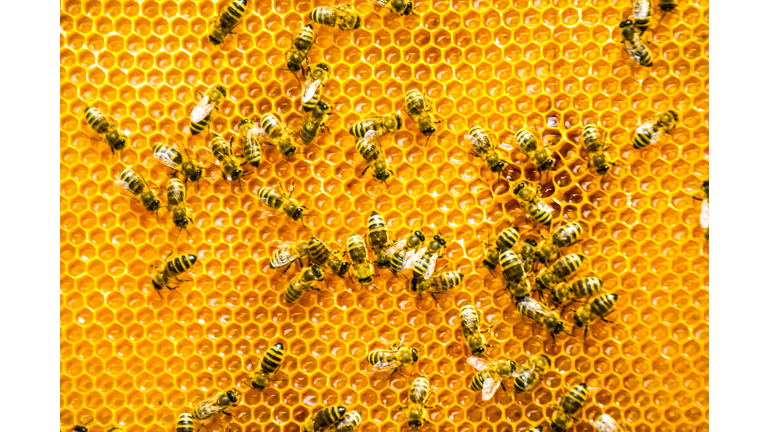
132	359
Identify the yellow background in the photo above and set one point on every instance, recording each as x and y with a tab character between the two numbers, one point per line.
133	359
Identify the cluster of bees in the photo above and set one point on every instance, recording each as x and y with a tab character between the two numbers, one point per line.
517	259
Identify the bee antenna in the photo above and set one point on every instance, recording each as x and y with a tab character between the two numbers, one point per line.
161	296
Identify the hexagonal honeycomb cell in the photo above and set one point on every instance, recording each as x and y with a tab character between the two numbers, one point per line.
132	359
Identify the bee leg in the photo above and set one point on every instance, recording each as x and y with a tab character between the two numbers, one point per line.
606	321
585	333
390	375
227	414
433	296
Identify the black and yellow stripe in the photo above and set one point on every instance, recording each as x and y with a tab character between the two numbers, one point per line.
133	181
415	103
378	236
220	148
419	390
479	378
329	416
511	267
272	360
567	265
567	234
271	197
251	147
541	216
233	13
184	423
643	10
179	265
603	305
667	5
573	401
380	355
591	139
526	141
508	238
272	125
97	120
197	127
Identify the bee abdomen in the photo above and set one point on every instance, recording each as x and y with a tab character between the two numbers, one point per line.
574	400
197	127
478	380
96	119
233	13
323	15
180	264
184	423
603	304
376	356
271	361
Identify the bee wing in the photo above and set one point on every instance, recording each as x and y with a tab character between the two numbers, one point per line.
412	257
431	266
490	386
480	146
202	109
268	211
371	134
283	259
479	363
704	217
544	206
397	246
381	366
535	306
310	90
123	188
166	160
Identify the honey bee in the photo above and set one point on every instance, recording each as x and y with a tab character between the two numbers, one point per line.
666	6
418	395
215	405
569	405
179	162
506	240
289	252
531	145
277	134
394	358
403	250
362	269
302	42
314	123
381	124
470	326
181	214
172	269
184	423
636	47
519	290
563	236
378	238
419	109
439	284
250	133
642	11
526	250
529	200
133	185
558	271
704	216
348	423
594	146
82	427
268	365
423	262
545	317
106	128
580	288
311	94
531	372
273	200
322	255
512	269
596	308
606	423
222	151
489	375
374	157
485	147
326	417
304	280
343	16
650	131
227	21
202	113
399	7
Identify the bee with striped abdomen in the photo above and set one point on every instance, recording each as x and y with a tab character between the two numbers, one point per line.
394	358
272	200
531	202
596	308
381	124
302	42
321	254
531	372
133	185
399	7
704	216
424	261
606	423
316	79
533	147
470	326
404	249
635	46
568	406
184	423
579	289
642	10
179	162
439	284
489	375
288	253
202	114
172	269
512	269
526	250
419	109
362	269
215	405
485	147
374	157
505	240
343	16
267	366
558	271
650	131
304	280
596	149
348	423
277	134
181	214
106	128
542	315
323	419
226	22
666	6
82	427
314	123
251	134
418	396
230	167
378	239
563	236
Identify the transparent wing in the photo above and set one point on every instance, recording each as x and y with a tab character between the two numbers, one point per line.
430	266
544	206
381	366
480	146
123	188
202	109
256	133
479	363
533	306
166	160
606	423
397	246
383	3
412	257
371	134
310	90
285	255
656	135
704	217
490	386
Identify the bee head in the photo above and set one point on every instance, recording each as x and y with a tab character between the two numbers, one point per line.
603	169
237	173
214	40
539	257
414	285
429	131
367	280
382	176
222	90
546	166
577	321
291	151
298	214
530	242
440	240
154	205
243	122
232	396
540	284
293	67
317	271
419	235
625	24
182	223
196	175
408	9
79	428
344	268
498	167
413	424
479	351
414	355
323	106
705	184
519	187
555	297
323	66
558	327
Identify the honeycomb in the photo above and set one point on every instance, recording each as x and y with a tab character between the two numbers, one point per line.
132	359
